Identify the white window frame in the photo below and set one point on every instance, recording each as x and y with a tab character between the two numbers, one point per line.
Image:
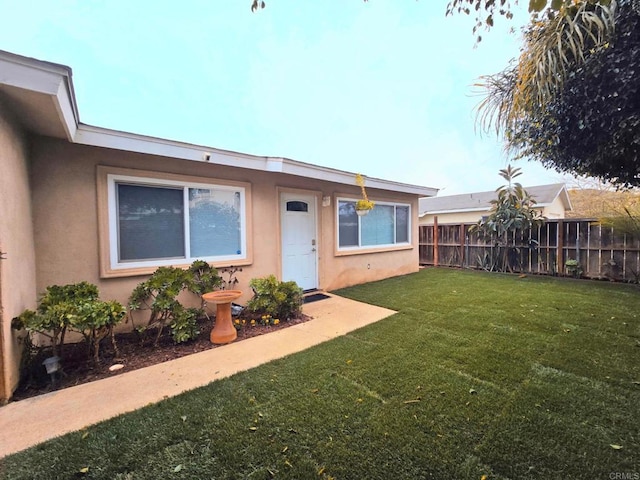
361	247
114	179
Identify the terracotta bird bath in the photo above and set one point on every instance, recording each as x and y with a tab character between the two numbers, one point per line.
223	330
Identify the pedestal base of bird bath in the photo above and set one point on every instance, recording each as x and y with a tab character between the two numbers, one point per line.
223	330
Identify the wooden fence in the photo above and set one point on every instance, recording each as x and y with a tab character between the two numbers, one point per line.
600	252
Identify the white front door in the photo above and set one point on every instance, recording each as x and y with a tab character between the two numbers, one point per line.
299	241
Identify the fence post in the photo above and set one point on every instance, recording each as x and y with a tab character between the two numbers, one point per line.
560	247
462	256
435	241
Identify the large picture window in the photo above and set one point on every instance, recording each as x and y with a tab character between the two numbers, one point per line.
388	224
154	222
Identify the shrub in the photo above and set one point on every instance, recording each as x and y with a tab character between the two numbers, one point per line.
57	310
282	300
70	307
184	326
159	294
95	321
573	268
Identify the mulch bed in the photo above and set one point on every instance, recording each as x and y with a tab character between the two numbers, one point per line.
136	352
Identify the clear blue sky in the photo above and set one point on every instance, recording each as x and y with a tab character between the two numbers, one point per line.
382	88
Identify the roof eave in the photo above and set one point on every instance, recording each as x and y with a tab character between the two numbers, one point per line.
54	81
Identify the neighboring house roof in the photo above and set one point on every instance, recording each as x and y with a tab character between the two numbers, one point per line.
43	93
544	195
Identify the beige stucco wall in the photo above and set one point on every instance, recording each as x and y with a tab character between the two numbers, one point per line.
66	220
17	270
554	210
453	218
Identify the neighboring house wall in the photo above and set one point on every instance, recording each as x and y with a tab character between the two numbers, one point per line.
17	269
461	217
554	210
67	217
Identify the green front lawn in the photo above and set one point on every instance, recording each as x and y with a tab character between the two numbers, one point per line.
478	374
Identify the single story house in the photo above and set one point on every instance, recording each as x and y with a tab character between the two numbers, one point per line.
552	201
79	202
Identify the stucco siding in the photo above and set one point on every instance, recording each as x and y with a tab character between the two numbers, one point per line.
453	218
17	270
65	199
555	210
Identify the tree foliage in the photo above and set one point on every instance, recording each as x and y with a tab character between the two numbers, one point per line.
552	48
511	212
486	11
590	124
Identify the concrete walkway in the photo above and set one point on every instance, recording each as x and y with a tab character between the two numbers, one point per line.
34	420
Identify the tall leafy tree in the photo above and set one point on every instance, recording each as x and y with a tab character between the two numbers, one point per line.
585	118
512	212
592	125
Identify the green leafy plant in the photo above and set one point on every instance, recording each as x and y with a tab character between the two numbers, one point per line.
281	300
95	321
204	278
71	307
57	310
513	211
159	294
573	268
184	325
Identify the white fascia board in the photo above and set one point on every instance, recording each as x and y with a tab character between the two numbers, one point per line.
101	137
31	74
45	78
65	105
302	169
129	142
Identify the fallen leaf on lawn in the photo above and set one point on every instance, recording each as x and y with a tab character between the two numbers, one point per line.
184	418
288	463
321	471
567	330
85	435
293	430
635	382
253	429
315	390
411	401
472	391
616	447
260	414
284	450
177	469
84	470
349	362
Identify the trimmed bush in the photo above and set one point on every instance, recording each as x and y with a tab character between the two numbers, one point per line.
282	300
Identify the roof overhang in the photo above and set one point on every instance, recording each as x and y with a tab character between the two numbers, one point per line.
43	96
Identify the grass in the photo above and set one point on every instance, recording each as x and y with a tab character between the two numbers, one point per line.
478	374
